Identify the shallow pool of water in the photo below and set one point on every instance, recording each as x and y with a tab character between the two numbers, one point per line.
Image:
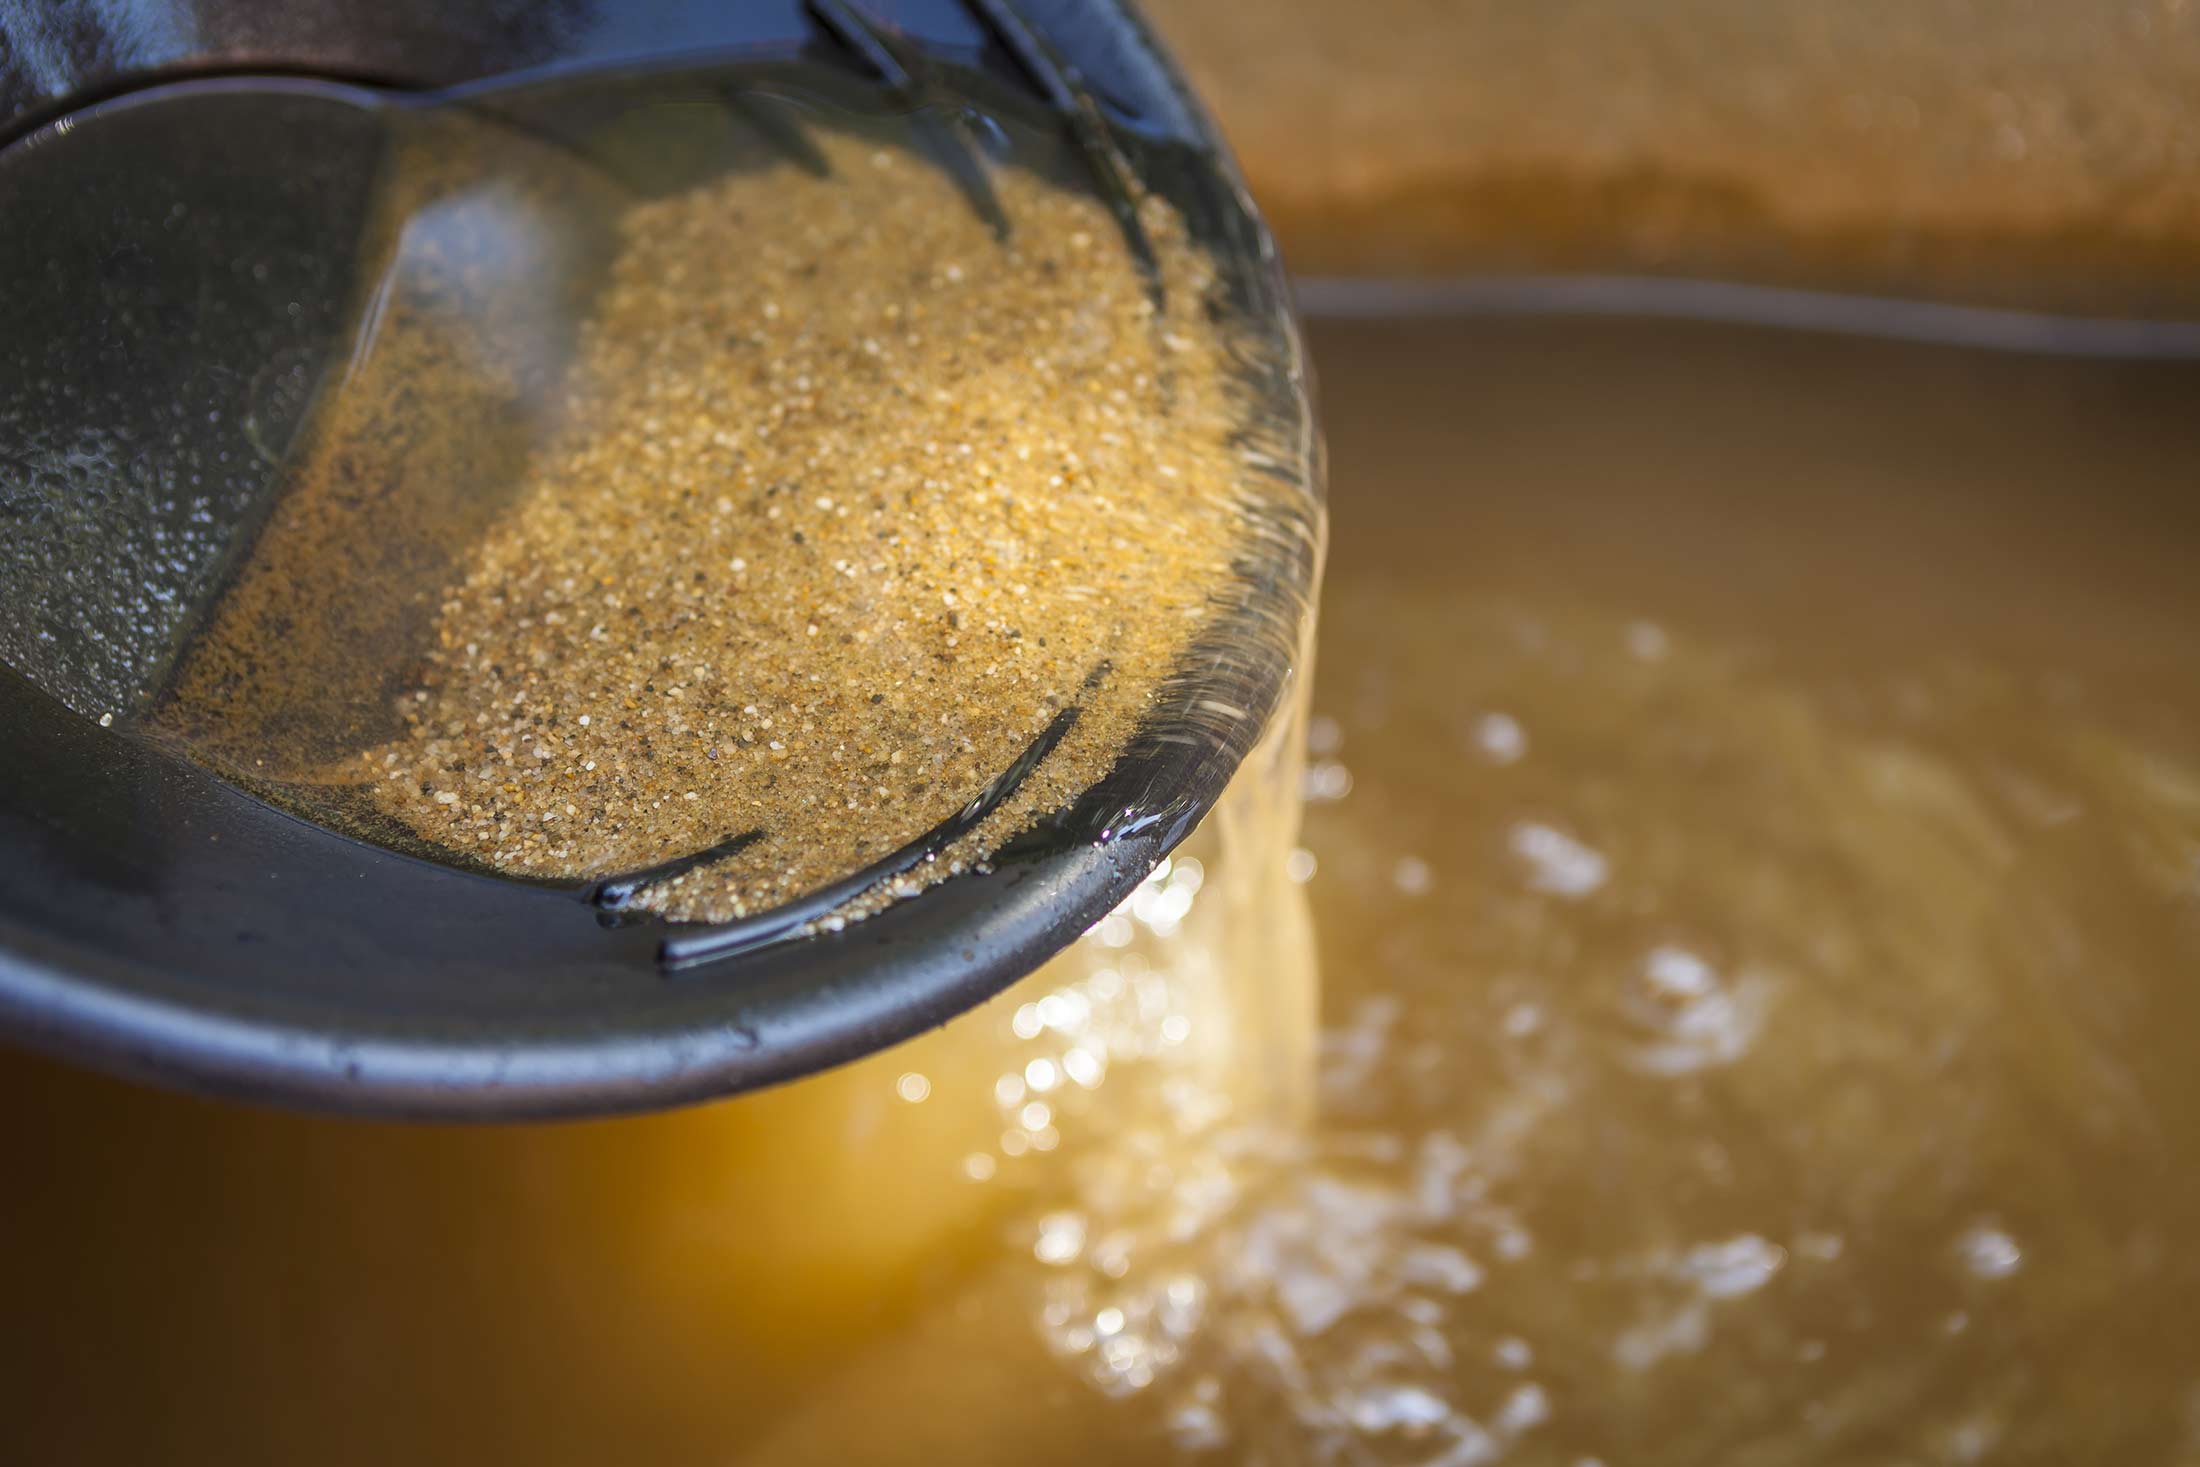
1752	843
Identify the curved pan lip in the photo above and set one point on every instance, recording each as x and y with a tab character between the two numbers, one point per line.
84	988
129	1020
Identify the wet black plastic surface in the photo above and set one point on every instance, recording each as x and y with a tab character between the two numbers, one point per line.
56	55
168	313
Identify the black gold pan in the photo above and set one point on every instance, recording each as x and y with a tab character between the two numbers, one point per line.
158	921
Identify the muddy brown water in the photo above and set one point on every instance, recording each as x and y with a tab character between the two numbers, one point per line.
1752	846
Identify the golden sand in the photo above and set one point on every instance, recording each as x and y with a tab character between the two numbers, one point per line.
848	501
